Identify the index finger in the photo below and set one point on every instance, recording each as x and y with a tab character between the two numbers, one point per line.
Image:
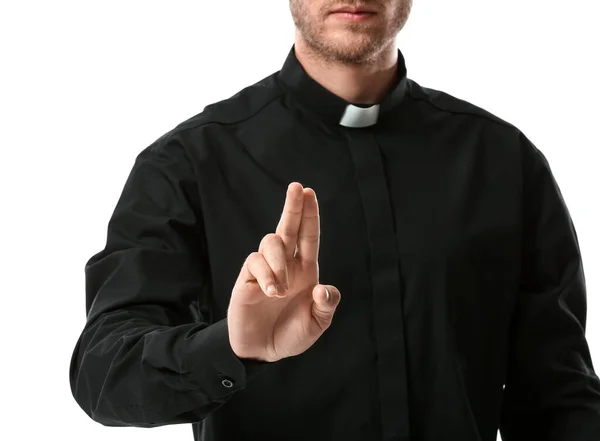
310	228
291	217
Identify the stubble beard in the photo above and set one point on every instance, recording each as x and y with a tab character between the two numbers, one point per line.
365	42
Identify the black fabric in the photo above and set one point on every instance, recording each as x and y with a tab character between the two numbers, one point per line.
441	225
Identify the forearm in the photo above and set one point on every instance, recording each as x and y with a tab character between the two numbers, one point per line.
127	372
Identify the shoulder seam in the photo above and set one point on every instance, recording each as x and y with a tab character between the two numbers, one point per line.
455	112
182	127
201	123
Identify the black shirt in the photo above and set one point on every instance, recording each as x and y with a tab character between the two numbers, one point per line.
463	296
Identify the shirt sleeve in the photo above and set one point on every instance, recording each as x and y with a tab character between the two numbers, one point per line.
551	391
148	355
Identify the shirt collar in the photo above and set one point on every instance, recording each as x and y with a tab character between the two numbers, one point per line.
330	107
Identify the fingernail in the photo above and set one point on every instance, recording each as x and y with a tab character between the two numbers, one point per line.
272	289
327	295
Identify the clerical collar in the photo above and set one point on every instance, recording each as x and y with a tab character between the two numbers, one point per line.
332	108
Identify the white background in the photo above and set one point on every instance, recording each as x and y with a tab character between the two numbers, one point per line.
86	85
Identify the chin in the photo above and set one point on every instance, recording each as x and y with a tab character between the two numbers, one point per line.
354	49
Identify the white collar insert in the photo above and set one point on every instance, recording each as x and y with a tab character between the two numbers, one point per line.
358	117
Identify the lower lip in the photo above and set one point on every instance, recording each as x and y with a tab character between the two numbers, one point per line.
354	16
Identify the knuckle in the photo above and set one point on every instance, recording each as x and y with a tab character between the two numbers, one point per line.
273	242
289	231
253	256
310	237
255	262
269	240
293	211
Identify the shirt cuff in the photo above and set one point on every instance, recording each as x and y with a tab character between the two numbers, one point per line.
214	367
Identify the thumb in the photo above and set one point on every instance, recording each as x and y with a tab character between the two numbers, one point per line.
325	301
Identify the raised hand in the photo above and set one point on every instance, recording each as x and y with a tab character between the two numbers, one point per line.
278	309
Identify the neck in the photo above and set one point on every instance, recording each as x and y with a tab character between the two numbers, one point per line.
358	84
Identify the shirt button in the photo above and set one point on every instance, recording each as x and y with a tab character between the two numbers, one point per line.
227	383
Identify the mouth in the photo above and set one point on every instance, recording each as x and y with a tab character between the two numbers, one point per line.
356	13
354	10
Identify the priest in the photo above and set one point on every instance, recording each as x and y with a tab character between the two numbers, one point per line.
337	253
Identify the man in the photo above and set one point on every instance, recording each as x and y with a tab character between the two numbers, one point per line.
439	224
